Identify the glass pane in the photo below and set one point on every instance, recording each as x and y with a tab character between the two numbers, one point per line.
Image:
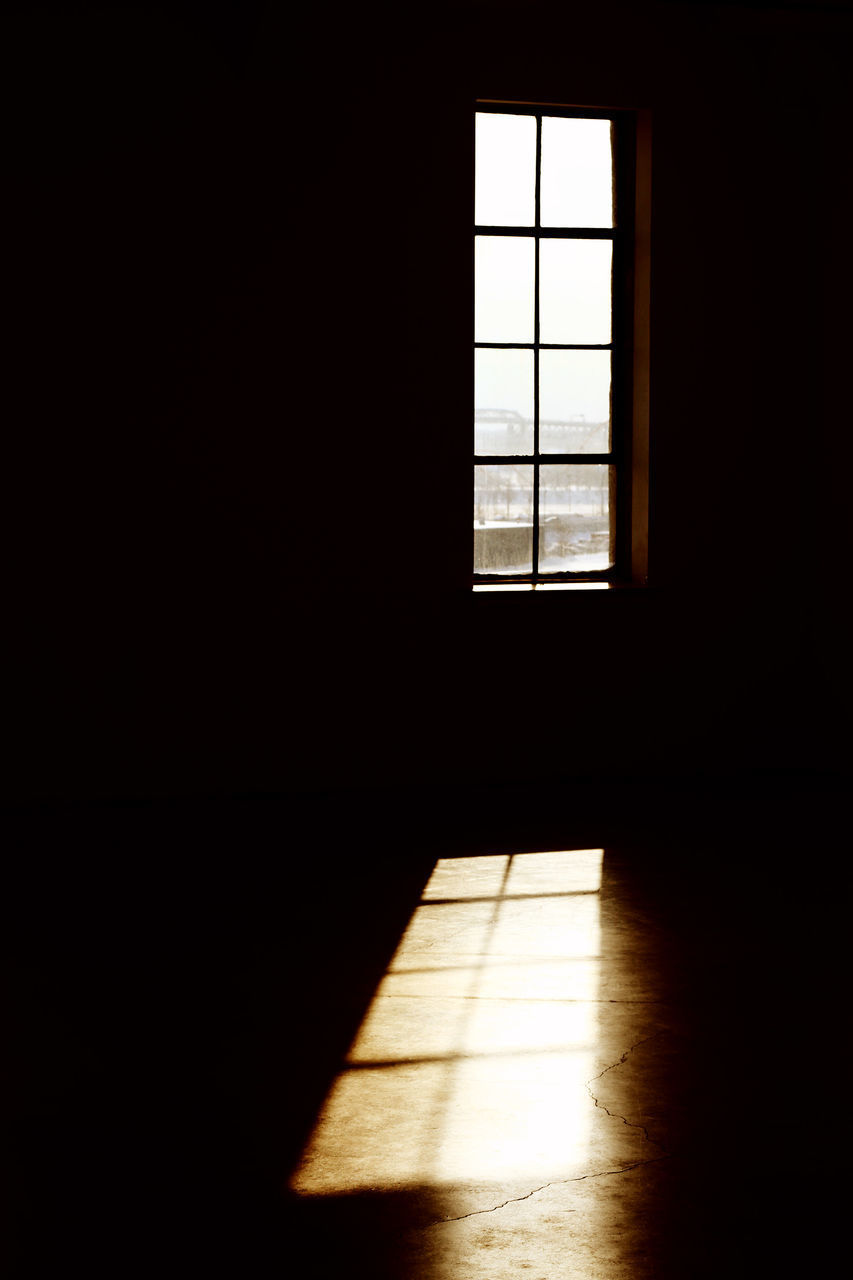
503	401
575	527
574	290
576	182
574	401
503	519
503	289
505	171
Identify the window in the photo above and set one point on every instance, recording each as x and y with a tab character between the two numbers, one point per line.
554	358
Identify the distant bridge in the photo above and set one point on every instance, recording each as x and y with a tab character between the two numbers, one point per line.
497	427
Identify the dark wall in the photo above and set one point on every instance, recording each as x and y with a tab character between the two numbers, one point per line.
240	305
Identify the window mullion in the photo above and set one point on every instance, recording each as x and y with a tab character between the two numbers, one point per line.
576	459
535	548
545	346
549	233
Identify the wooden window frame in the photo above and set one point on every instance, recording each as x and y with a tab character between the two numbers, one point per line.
629	346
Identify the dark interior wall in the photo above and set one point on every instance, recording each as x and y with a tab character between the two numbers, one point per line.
240	304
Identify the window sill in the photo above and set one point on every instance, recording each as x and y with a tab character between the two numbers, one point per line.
503	588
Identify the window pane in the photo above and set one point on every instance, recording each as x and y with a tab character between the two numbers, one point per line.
503	289
505	170
574	518
503	401
576	182
574	290
574	401
503	519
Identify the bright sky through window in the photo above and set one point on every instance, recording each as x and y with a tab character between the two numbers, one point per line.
577	173
505	144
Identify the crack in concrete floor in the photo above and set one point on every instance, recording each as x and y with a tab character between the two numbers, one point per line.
584	1177
615	1115
557	1182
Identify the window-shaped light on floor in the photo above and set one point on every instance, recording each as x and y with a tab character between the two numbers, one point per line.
473	1058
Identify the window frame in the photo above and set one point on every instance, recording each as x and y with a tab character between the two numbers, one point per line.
630	135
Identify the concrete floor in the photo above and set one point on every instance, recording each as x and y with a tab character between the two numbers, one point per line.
513	1058
251	1046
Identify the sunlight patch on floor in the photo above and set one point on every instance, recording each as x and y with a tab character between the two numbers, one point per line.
472	1060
